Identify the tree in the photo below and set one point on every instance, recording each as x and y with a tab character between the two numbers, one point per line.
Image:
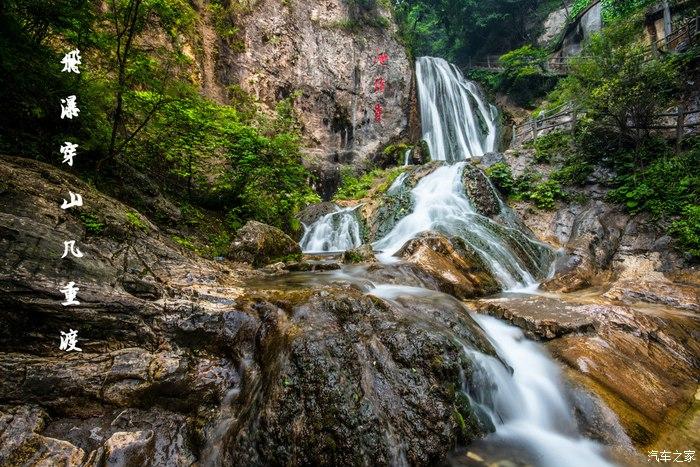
143	63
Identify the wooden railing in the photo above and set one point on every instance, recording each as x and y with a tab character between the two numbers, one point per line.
565	117
686	31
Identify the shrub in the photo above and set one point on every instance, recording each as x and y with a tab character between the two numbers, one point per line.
502	177
687	230
545	194
551	146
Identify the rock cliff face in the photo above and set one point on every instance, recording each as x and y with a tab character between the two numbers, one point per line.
324	53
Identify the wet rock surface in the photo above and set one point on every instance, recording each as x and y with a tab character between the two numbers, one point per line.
539	317
183	361
458	270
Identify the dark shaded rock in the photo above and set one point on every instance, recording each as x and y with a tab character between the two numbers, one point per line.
479	190
260	244
458	270
362	381
314	212
308	266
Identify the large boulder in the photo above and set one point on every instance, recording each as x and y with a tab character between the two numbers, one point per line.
356	380
260	244
456	269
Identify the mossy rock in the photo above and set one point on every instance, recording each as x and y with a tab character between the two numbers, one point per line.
260	244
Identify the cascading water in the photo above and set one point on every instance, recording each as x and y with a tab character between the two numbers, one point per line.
527	407
518	396
458	124
332	233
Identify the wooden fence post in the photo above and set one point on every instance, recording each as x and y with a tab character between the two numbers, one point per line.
680	127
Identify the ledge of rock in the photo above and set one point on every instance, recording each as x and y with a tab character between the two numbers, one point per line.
539	317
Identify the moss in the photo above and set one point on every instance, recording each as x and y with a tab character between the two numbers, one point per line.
184	242
134	220
93	225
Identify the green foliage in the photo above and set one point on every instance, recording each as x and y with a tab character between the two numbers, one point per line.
669	189
490	80
502	177
525	187
551	146
577	7
616	10
390	175
134	220
184	242
545	194
93	225
574	171
353	187
396	153
613	10
525	75
460	29
620	90
687	230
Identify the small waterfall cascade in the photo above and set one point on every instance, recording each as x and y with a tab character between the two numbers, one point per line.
458	124
335	232
457	121
407	157
527	407
440	204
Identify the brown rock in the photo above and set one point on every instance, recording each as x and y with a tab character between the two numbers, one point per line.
260	244
457	270
539	317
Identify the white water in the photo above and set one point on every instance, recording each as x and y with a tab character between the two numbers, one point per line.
407	157
528	407
451	108
451	111
441	205
334	232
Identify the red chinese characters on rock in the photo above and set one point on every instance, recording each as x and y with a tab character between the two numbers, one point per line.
378	111
379	84
382	58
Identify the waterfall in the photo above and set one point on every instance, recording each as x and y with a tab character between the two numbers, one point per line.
526	403
407	157
457	122
451	109
334	232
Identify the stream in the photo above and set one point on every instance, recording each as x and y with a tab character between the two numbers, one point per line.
519	395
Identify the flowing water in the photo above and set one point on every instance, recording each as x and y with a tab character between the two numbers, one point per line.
334	232
520	395
457	122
